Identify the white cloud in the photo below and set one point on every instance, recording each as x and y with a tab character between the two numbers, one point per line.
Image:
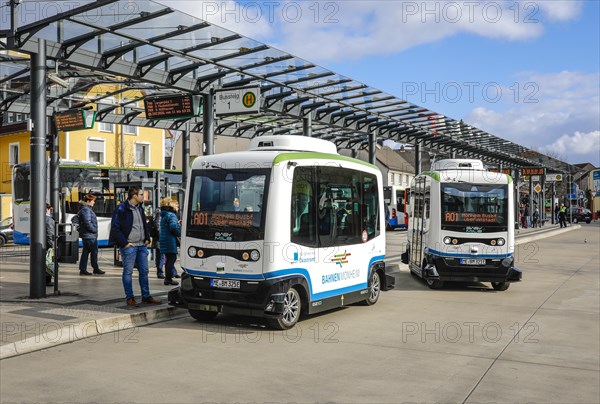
349	30
564	117
578	144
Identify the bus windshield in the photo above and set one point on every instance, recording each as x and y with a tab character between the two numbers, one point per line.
21	183
228	204
476	208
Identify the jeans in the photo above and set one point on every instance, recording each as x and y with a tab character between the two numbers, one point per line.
129	257
90	246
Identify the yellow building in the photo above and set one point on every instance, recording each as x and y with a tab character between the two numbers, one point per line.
108	145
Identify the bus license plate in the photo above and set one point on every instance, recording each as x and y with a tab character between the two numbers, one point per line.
224	284
472	261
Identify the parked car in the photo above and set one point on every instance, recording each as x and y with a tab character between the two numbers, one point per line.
6	231
579	214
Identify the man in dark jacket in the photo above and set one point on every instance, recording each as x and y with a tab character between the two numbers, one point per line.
129	230
88	232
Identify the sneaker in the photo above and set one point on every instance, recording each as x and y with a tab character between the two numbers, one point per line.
99	272
132	303
150	300
177	276
84	273
171	282
160	275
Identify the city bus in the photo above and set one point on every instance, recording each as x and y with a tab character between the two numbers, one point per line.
395	198
288	227
77	178
460	226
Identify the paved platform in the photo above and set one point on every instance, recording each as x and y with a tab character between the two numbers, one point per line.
92	305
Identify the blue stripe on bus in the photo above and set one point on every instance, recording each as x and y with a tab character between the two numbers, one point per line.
23	239
458	255
291	271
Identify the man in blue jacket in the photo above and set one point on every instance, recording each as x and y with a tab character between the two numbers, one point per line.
130	232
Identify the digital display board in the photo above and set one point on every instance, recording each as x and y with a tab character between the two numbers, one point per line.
533	171
222	219
174	107
462	217
70	120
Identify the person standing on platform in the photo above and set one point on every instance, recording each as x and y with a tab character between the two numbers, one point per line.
129	231
88	232
170	230
562	216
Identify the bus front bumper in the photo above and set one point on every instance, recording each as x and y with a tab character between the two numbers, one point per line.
451	270
265	299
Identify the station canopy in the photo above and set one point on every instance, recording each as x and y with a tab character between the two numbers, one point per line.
155	50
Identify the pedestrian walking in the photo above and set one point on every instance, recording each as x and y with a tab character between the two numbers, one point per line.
88	232
129	230
536	217
170	231
556	210
562	216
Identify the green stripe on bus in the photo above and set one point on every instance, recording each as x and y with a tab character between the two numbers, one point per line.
318	156
432	174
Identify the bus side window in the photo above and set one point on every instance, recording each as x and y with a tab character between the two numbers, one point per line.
302	215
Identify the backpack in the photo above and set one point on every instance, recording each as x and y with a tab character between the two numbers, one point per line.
154	231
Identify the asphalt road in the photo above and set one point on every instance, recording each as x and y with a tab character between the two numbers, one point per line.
539	341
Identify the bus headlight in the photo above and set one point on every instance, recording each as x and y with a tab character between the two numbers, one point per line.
447	240
192	252
245	256
454	241
254	255
501	241
493	242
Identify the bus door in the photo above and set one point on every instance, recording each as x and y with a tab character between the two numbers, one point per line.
418	217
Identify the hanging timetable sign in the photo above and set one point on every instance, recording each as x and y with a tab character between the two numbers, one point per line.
173	107
76	119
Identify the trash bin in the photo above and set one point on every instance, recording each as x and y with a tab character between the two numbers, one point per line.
68	243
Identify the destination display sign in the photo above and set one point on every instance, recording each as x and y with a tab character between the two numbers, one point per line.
174	107
76	119
463	217
504	170
533	171
242	219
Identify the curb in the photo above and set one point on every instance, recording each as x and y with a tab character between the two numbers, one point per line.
88	329
545	234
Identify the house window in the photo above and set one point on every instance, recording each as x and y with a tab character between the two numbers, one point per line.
103	104
96	150
142	154
13	154
129	129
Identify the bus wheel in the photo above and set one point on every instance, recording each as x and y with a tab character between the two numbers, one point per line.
291	311
500	286
202	315
435	283
374	289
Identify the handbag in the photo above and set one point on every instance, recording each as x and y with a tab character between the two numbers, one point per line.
50	262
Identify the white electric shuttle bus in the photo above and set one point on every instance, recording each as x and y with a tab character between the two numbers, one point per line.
395	199
461	225
285	228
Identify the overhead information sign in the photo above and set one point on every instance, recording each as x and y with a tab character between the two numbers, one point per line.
533	171
237	101
76	119
173	107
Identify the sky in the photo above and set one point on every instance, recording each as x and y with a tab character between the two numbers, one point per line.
526	71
